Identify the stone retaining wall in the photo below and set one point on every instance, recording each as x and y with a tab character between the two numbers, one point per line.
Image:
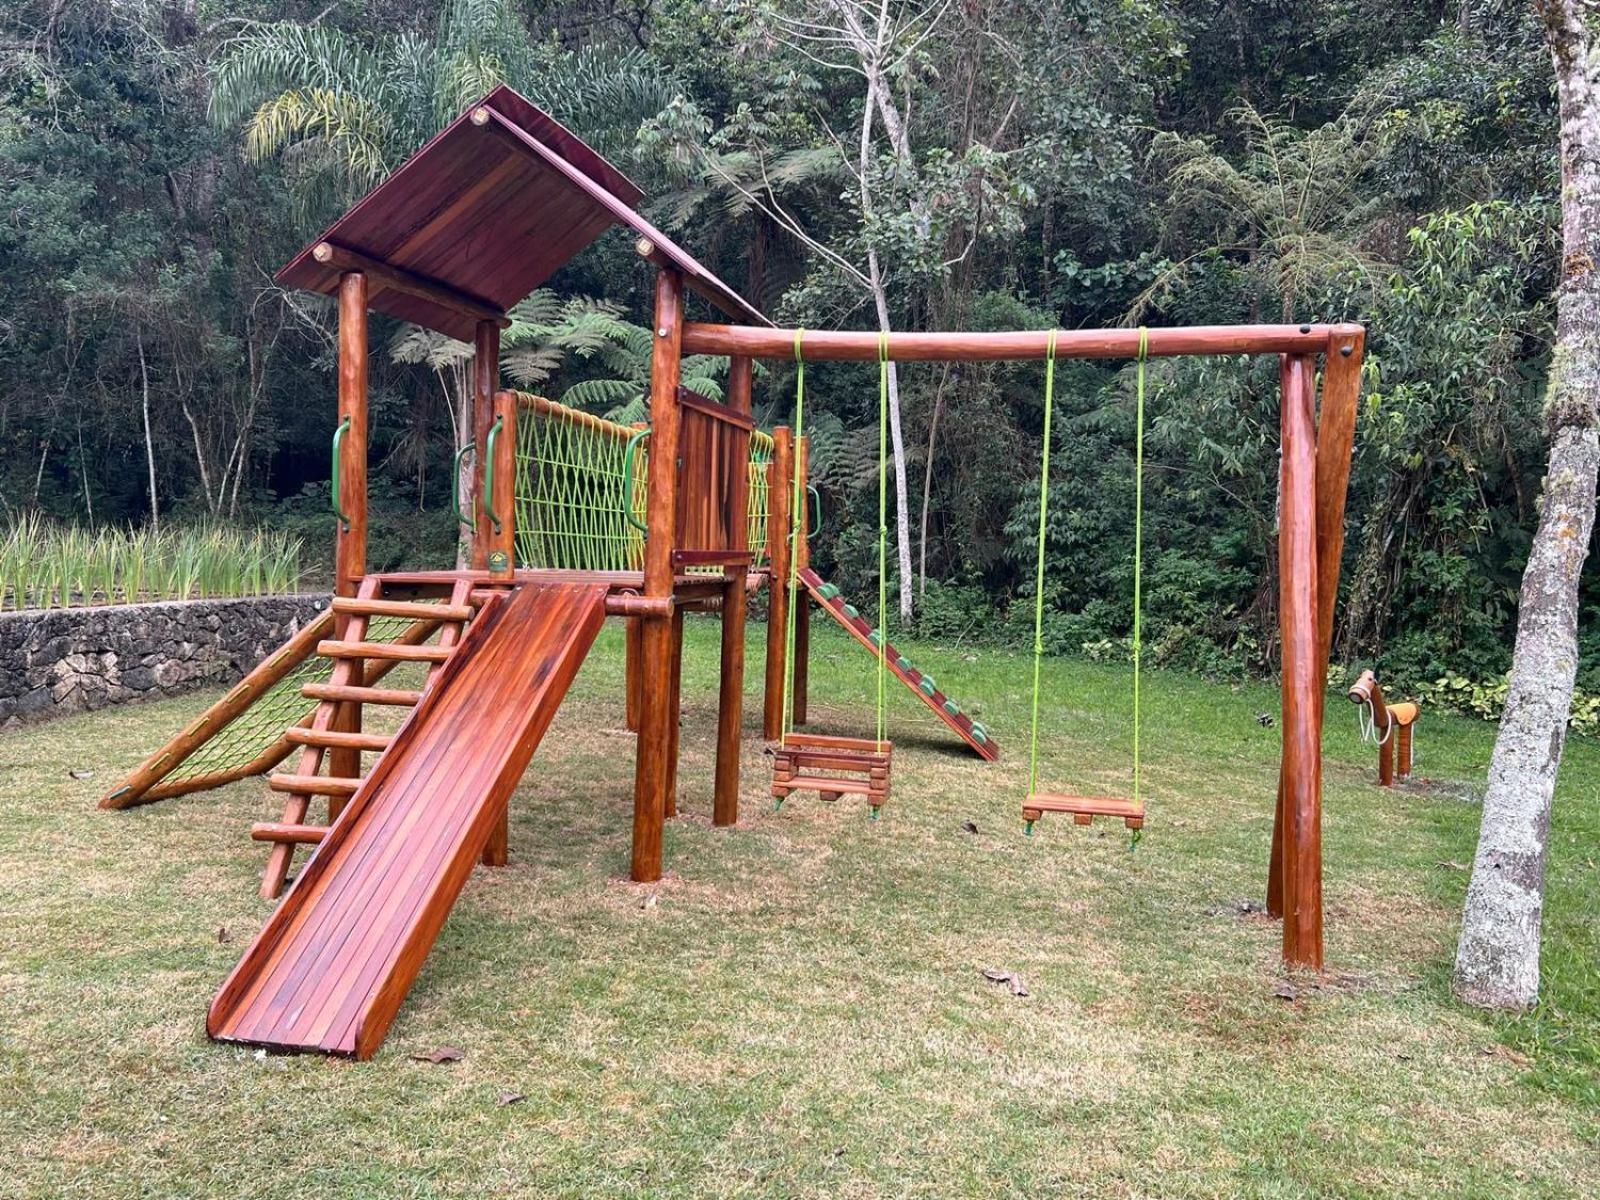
66	660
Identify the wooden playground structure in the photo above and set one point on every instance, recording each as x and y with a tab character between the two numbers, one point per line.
575	519
1391	727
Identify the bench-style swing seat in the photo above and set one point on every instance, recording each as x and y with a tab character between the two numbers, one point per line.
829	765
832	767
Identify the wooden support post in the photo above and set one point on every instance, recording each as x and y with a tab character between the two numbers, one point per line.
675	720
485	382
654	774
1403	751
632	668
1302	684
730	691
780	481
802	598
1336	430
350	543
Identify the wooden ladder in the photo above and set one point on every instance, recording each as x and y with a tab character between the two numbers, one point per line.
334	736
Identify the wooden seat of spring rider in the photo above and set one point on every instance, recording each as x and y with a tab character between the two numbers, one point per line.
1084	809
798	758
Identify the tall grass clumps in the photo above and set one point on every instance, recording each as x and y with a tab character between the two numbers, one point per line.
44	565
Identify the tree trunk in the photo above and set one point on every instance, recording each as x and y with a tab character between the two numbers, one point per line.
1497	960
149	442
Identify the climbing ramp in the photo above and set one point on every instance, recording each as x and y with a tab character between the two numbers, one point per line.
828	597
329	969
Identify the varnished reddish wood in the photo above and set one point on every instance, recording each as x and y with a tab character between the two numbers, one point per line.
780	483
350	545
397	651
297	835
654	780
406	609
398	279
839	345
328	738
1297	614
632	670
331	965
675	717
735	599
1084	809
397	697
314	785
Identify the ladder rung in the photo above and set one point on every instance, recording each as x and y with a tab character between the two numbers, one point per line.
410	609
335	739
351	693
313	785
279	831
398	651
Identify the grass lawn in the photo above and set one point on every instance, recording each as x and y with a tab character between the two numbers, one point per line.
799	1009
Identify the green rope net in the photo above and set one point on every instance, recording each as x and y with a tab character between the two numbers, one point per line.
258	728
580	490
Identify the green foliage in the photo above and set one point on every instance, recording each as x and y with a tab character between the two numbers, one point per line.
44	565
1486	699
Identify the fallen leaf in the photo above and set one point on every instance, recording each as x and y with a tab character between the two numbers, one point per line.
223	935
444	1054
1286	991
1450	866
970	826
81	774
506	1098
1506	1054
1014	982
649	902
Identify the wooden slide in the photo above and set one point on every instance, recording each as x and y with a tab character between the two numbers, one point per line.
331	965
828	598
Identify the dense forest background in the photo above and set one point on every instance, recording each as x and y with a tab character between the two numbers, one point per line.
957	164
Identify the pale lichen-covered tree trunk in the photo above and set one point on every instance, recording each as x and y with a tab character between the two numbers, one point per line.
1497	960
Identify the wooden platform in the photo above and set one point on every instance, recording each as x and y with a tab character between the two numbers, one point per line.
922	686
331	966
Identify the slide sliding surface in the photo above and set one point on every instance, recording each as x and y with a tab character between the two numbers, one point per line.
329	969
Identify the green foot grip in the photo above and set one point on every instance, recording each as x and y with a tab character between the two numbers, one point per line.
828	591
851	611
979	734
904	664
876	639
950	707
927	685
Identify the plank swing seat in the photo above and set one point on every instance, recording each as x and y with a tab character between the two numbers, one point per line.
1084	809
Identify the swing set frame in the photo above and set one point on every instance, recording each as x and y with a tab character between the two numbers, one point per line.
1316	445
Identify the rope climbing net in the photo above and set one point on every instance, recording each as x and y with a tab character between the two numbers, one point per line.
261	726
580	489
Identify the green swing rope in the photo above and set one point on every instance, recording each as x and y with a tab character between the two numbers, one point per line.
1138	562
794	535
883	522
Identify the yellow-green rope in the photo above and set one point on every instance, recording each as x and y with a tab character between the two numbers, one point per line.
883	523
794	532
1138	559
1038	573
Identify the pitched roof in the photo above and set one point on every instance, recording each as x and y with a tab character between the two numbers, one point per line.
484	213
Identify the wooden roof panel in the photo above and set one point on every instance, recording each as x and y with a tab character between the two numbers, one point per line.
489	209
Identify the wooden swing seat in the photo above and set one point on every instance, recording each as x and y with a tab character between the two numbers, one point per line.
797	759
1084	809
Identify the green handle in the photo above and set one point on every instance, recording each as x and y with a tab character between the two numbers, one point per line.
455	491
816	511
627	480
333	498
488	472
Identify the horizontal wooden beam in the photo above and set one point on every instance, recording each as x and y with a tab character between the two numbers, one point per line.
820	345
398	279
